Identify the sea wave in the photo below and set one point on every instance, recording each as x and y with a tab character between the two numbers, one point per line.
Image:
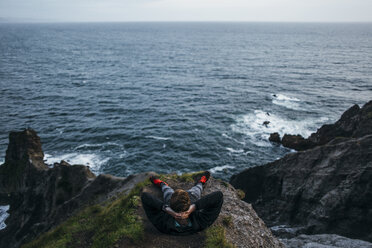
232	150
94	161
3	216
108	144
286	101
259	125
221	168
157	137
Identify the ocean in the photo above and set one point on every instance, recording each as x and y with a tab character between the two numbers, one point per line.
126	98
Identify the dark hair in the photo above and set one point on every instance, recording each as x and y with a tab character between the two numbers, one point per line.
180	201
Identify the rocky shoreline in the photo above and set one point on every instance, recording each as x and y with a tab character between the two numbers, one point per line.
324	188
305	197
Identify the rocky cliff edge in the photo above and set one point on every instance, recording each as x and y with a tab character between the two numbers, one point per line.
68	206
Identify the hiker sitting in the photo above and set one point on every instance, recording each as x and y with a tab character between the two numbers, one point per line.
182	212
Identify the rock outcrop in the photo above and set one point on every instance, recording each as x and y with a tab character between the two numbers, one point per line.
327	189
242	225
354	123
324	241
44	197
41	197
274	137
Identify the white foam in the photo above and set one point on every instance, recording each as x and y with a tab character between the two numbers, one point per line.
221	168
96	145
3	216
286	101
92	160
252	126
232	150
237	141
157	137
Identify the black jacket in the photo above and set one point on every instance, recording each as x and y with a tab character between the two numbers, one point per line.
207	210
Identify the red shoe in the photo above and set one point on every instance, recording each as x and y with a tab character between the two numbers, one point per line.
204	177
156	181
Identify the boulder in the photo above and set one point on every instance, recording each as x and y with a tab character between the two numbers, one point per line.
275	137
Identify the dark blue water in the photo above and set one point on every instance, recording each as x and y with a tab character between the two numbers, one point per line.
132	97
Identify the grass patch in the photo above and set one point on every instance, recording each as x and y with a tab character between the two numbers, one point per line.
227	221
98	226
215	238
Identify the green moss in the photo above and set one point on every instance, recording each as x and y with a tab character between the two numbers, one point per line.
215	238
227	221
225	184
240	193
98	226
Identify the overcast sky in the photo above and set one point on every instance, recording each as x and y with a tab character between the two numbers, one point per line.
187	10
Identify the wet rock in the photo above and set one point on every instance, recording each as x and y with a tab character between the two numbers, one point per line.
296	142
266	123
275	137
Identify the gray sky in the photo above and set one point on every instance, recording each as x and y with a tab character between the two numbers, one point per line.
187	10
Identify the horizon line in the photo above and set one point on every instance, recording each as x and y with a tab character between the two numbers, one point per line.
168	21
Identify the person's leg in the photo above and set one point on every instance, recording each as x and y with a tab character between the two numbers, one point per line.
167	193
195	192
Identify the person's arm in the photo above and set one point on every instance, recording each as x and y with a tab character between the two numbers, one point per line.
170	211
185	215
154	210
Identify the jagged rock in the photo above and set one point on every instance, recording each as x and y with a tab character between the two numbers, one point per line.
275	137
24	159
354	123
41	197
296	142
324	241
23	146
327	189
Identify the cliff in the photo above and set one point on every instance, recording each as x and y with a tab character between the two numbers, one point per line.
324	189
68	206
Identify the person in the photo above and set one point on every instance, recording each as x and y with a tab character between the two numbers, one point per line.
182	212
